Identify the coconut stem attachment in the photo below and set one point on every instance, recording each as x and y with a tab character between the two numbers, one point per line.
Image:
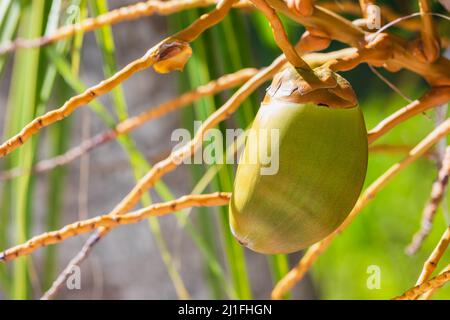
282	41
308	75
332	90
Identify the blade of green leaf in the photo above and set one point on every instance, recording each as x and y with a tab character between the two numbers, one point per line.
59	137
8	25
22	100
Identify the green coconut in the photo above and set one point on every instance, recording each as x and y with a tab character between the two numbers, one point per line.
321	152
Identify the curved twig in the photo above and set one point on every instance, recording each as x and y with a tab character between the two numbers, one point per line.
431	284
76	261
431	99
429	294
132	12
432	261
387	13
280	36
430	37
109	221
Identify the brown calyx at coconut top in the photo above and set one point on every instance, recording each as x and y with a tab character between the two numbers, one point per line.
331	91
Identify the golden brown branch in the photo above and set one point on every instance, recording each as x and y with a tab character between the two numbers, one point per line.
432	261
389	148
313	41
280	35
109	221
433	98
170	54
399	149
314	252
387	13
206	21
302	7
429	294
431	284
437	194
221	84
430	37
364	5
132	12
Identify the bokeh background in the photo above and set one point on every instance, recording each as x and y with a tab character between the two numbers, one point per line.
191	254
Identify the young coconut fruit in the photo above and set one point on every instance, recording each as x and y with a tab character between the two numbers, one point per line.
322	152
